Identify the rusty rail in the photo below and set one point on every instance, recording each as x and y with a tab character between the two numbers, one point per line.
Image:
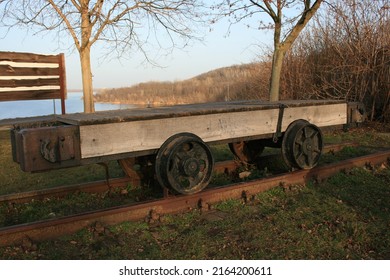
92	187
103	186
43	230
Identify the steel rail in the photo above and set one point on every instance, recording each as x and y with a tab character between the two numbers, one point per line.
62	191
104	185
50	229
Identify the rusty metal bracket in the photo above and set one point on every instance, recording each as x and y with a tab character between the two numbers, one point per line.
58	147
46	148
107	172
49	150
278	132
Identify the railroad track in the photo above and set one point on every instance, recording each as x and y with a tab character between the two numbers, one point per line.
49	229
104	185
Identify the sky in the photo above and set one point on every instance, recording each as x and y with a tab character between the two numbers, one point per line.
218	49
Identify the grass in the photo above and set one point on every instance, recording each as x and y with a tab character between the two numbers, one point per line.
344	217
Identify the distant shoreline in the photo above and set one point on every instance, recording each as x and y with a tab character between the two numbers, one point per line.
81	90
74	90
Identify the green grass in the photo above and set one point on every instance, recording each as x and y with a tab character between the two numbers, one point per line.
344	217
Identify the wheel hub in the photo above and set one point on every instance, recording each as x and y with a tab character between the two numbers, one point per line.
307	146
190	167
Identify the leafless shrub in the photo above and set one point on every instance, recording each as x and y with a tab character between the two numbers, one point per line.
344	55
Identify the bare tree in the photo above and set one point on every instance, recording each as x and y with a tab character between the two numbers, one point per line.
287	19
124	25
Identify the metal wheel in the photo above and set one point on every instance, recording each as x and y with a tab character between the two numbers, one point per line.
184	163
247	151
302	145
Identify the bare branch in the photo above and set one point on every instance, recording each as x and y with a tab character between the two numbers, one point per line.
304	19
124	25
68	24
286	28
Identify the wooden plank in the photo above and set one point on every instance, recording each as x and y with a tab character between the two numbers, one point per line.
116	138
124	137
28	57
184	110
323	115
29	82
7	70
163	112
30	95
30	122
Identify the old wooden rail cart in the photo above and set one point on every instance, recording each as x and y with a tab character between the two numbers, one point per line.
179	136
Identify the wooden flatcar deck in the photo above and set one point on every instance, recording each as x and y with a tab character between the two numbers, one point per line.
138	114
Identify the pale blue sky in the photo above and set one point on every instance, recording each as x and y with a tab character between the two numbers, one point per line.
217	50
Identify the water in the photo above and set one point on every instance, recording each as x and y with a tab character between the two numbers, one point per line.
73	104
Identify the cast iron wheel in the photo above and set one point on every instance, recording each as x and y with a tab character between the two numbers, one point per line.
247	151
184	163
302	145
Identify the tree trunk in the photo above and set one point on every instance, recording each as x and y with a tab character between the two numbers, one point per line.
277	62
85	60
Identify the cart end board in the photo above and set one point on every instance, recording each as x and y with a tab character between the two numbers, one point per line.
105	139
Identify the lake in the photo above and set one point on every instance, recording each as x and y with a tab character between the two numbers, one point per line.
73	104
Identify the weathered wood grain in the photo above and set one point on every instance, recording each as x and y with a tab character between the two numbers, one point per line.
7	70
28	57
28	142
29	95
29	82
21	75
149	134
322	115
107	139
185	110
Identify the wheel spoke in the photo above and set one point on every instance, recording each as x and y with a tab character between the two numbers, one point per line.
314	133
318	151
298	148
310	159
300	158
298	144
305	132
192	152
314	136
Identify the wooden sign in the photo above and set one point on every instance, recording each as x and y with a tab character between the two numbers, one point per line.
29	76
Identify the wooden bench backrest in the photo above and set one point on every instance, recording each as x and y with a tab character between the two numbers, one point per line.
29	76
